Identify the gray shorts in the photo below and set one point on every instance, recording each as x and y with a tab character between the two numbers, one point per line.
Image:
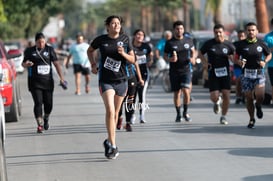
120	87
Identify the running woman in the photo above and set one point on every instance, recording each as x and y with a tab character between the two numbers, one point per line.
116	51
255	54
133	74
219	51
144	58
180	52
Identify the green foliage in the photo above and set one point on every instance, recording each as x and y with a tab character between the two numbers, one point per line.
26	17
2	15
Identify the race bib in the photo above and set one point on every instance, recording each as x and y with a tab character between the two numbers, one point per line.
43	69
112	64
253	73
221	72
141	59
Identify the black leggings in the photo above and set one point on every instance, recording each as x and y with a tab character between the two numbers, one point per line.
42	98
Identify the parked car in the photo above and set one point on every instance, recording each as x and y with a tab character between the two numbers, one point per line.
14	47
9	87
3	167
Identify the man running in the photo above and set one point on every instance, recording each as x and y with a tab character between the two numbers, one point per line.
180	52
219	51
254	54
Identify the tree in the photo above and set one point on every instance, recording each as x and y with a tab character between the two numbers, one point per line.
2	15
214	7
262	16
26	17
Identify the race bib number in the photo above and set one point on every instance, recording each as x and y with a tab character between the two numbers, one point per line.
221	72
43	69
112	64
253	73
141	59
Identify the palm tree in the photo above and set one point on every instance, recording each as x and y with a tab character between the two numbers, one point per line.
262	16
214	7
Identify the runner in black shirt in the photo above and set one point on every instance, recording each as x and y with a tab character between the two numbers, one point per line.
180	52
144	58
219	51
237	70
38	60
116	50
254	54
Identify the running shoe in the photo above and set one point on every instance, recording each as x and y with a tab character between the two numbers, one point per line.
251	124
223	120
119	123
106	145
40	129
238	100
112	153
178	119
77	93
133	119
128	127
141	118
259	112
217	106
87	89
46	125
142	121
187	117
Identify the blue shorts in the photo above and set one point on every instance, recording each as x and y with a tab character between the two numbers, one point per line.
237	72
249	84
120	87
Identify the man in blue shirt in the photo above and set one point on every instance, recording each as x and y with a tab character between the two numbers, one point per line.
269	41
81	63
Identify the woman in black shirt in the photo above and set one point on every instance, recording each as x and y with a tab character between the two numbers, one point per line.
116	51
38	59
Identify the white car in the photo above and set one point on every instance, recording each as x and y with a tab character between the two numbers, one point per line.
14	48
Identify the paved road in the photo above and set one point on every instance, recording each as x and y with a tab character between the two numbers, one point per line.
203	150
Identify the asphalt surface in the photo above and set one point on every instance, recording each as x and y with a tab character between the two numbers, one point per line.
202	150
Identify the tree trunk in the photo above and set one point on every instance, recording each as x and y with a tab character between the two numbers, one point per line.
262	16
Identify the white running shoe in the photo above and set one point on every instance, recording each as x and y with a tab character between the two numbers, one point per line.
217	106
223	120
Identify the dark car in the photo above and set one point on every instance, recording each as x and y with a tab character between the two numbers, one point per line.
199	75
